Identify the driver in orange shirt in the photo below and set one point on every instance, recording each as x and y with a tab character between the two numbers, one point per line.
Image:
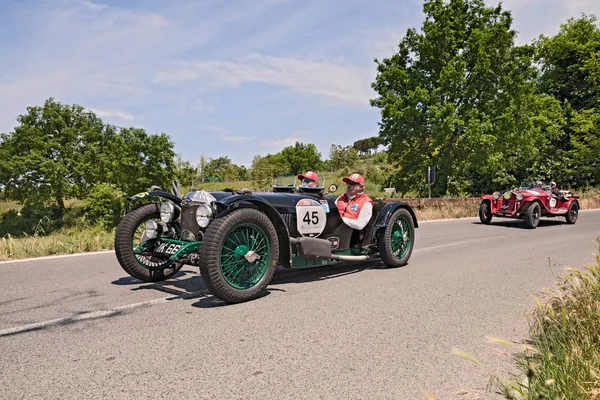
355	207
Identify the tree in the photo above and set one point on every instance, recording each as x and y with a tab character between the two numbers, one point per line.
301	158
366	145
340	156
45	157
570	71
140	160
265	169
571	63
460	95
185	172
217	167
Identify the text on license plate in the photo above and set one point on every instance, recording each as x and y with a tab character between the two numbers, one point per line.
167	248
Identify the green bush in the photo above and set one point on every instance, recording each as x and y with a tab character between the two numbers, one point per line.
104	206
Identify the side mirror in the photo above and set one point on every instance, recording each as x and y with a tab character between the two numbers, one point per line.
332	188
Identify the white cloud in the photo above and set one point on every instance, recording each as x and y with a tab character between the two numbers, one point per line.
112	113
201	105
278	144
323	77
226	135
231	138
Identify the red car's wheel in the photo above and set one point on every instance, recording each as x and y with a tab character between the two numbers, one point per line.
572	213
533	215
485	212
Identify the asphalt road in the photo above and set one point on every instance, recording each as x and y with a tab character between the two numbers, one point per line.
79	327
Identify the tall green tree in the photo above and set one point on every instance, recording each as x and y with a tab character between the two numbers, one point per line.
301	157
570	63
45	157
265	169
140	160
342	156
185	172
460	95
570	71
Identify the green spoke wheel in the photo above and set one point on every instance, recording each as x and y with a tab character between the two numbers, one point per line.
239	255
396	240
130	237
244	256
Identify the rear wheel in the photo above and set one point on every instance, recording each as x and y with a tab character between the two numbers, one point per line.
130	235
239	255
572	213
396	240
485	212
532	216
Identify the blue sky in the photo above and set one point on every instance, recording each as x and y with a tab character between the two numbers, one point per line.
221	77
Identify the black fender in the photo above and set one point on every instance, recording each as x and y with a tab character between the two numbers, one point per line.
386	212
166	195
283	235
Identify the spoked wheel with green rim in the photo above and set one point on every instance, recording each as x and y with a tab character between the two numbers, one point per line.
396	240
239	255
131	244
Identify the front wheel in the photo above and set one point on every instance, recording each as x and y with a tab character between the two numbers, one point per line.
239	255
130	235
485	212
532	216
572	213
396	240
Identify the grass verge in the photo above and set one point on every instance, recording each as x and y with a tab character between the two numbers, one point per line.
63	242
562	360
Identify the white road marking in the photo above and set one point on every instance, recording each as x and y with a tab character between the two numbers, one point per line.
94	314
445	245
57	256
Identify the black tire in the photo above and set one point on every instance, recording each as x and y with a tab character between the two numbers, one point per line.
485	212
385	241
532	216
261	271
126	229
572	213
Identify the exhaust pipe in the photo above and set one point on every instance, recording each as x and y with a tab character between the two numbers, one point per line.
348	258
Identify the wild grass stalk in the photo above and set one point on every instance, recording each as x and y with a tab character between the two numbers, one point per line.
563	359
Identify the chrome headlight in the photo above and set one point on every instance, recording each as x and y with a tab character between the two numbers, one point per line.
167	212
520	196
506	195
496	195
151	230
203	215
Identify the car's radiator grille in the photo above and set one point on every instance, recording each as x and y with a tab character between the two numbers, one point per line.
188	222
290	221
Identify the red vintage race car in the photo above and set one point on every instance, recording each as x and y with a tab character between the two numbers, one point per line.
530	201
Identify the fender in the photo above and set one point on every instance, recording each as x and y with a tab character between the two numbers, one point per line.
283	235
157	194
386	212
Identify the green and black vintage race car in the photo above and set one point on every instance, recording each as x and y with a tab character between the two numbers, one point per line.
237	238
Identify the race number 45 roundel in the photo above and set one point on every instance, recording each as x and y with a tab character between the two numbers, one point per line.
310	217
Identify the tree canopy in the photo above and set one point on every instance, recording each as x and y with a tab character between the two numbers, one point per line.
461	95
59	151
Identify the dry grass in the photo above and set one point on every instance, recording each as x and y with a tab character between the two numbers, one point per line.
563	360
64	242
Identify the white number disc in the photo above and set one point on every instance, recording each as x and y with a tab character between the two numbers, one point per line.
310	217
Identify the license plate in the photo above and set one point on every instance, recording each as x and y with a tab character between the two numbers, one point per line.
167	248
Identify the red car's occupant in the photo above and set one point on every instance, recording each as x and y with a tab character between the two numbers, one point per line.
355	207
310	179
